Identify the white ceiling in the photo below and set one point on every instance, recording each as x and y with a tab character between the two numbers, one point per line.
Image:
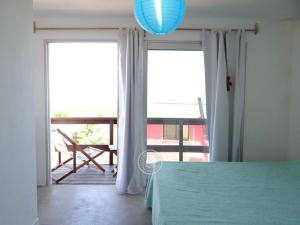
195	8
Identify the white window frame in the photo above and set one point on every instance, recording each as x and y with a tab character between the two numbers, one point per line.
174	45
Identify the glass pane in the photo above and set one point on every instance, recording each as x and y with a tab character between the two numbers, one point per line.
195	157
153	157
176	84
176	92
170	132
185	132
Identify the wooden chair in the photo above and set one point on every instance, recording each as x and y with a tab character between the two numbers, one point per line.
59	140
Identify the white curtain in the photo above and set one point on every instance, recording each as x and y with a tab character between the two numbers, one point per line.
225	57
131	112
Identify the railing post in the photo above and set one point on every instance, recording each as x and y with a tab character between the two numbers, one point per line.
59	158
111	141
180	140
74	158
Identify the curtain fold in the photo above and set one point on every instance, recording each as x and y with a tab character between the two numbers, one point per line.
131	112
225	60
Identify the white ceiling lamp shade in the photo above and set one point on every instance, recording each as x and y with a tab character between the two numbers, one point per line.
159	17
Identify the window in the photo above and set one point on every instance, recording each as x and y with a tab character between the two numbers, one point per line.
171	132
176	84
176	106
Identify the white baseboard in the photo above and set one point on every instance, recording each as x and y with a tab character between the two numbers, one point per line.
36	222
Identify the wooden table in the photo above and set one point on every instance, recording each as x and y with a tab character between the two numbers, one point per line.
113	151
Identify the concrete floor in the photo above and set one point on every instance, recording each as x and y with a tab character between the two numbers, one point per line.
90	205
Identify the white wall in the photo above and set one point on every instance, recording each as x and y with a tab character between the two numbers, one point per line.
267	93
268	80
294	140
17	132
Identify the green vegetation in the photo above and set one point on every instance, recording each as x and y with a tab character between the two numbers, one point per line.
90	134
60	114
86	134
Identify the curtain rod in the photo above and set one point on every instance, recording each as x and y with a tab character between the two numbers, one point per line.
254	30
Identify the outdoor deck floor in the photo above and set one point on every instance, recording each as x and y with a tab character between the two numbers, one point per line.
87	175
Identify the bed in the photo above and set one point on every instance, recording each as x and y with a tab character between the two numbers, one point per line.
225	194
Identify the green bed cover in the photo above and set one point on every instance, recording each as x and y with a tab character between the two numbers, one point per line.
225	194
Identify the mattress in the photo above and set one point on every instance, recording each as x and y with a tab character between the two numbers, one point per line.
225	194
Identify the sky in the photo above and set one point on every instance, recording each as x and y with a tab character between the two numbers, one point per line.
83	77
83	80
176	80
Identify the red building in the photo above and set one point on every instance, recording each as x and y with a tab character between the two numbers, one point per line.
193	135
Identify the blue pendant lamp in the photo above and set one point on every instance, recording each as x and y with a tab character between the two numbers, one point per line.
159	17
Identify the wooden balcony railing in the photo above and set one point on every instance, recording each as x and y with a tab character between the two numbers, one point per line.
111	121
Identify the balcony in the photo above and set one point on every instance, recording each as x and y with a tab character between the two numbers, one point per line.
168	139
